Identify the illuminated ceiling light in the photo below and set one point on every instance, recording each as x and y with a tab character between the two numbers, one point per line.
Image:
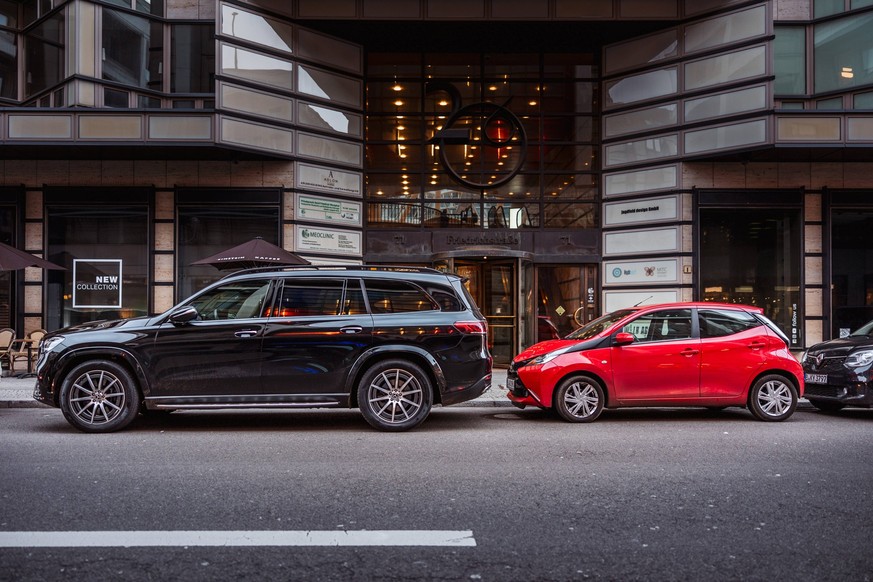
379	192
397	87
532	103
405	176
401	127
398	103
405	182
434	176
499	163
433	182
847	73
443	103
492	87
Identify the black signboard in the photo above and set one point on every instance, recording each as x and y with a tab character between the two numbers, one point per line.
97	283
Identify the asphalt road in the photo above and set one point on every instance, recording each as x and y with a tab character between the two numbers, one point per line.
652	494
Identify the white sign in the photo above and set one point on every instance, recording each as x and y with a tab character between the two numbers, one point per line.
309	177
321	240
651	271
614	300
641	211
641	241
320	209
97	283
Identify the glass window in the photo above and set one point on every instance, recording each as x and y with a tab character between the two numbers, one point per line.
192	69
9	13
642	51
303	297
106	234
842	50
727	136
827	7
256	67
397	297
753	257
724	322
329	86
641	150
331	120
256	29
665	325
726	29
726	68
863	101
240	300
44	55
256	103
641	87
789	60
8	65
640	121
851	270
205	230
133	49
730	103
833	103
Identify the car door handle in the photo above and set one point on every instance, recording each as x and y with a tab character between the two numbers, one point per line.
756	345
689	352
244	333
352	329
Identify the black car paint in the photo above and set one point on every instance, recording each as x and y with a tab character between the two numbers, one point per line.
297	361
848	386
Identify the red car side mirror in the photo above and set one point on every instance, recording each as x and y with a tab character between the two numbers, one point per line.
624	338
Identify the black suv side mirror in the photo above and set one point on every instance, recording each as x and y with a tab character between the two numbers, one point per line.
183	315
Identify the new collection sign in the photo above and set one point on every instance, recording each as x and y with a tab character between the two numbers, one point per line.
97	283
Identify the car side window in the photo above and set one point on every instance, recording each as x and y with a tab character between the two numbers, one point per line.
397	297
302	297
669	324
724	322
239	300
354	302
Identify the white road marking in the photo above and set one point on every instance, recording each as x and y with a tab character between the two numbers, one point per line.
129	539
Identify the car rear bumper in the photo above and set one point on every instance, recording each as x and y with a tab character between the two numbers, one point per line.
465	393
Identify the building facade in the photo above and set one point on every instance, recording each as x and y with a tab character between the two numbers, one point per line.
570	158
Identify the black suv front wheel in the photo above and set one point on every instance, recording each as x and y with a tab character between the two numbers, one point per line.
395	395
99	396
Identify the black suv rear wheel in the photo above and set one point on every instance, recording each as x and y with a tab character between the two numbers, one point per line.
395	395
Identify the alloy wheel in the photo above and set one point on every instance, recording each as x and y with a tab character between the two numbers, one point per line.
97	397
395	396
775	398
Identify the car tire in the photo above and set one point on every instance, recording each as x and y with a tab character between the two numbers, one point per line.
827	405
395	395
772	398
579	399
99	396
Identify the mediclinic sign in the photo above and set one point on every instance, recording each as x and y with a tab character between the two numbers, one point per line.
97	283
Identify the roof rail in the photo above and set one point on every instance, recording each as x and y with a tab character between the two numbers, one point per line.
375	268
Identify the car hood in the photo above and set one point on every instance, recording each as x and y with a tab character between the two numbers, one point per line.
104	324
842	345
552	345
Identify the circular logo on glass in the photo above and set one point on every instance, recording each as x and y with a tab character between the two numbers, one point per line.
616	272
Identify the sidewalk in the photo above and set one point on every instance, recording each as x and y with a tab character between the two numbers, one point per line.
18	393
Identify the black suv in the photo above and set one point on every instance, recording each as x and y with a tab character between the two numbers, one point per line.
839	372
392	341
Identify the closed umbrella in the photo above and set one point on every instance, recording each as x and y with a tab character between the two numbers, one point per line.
254	253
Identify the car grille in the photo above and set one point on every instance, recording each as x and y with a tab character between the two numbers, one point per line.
828	364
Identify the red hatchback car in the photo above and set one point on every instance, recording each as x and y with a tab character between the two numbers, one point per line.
678	354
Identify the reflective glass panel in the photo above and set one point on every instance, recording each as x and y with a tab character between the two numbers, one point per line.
570	215
726	68
256	67
44	55
842	53
193	58
328	119
8	65
641	120
329	86
852	270
255	28
789	60
132	50
641	87
725	29
642	51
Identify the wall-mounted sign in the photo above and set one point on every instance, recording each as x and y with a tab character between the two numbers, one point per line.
311	177
330	241
614	300
641	211
320	209
641	241
97	283
651	271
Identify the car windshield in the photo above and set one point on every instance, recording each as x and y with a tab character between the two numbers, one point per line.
593	328
864	330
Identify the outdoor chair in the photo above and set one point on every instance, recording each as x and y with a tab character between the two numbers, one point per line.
26	350
7	336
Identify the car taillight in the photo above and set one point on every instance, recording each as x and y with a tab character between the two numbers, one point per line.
471	327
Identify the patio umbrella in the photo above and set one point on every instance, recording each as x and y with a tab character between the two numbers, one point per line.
254	253
12	259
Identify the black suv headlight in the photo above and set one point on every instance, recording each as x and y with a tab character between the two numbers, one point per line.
860	358
49	344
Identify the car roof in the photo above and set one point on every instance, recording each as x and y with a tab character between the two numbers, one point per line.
393	272
698	304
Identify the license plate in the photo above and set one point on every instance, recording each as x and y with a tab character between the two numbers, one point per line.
816	378
510	383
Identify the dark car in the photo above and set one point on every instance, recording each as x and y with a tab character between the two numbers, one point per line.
839	372
391	341
678	354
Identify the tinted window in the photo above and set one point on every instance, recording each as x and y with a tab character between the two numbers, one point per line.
239	300
722	322
397	297
354	303
309	297
671	324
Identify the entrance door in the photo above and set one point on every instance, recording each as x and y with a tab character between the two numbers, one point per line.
494	286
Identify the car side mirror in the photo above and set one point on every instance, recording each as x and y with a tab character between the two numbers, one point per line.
624	338
183	315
